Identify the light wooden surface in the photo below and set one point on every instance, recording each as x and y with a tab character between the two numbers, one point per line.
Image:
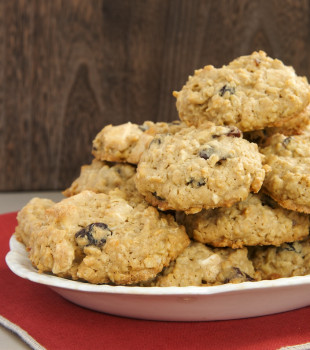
11	341
69	67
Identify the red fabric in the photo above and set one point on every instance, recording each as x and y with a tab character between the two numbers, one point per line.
58	324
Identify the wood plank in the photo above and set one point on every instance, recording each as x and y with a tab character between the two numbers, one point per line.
67	68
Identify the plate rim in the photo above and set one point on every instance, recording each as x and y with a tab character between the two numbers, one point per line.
18	254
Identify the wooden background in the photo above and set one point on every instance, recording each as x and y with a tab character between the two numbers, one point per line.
68	68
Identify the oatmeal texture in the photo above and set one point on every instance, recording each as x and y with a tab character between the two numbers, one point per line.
200	168
288	260
200	265
296	126
126	142
31	218
252	92
101	238
256	221
101	177
288	182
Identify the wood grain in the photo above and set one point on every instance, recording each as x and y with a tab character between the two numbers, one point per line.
67	68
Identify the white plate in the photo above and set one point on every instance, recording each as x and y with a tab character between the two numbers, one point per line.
229	301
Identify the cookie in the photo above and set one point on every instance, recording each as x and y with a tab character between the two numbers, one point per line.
200	265
101	238
200	168
287	260
30	218
297	126
101	177
126	142
256	221
252	92
288	182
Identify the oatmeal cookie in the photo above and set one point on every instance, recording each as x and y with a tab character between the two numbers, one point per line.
252	92
101	177
30	218
200	265
200	168
288	182
256	221
297	126
287	260
101	238
126	142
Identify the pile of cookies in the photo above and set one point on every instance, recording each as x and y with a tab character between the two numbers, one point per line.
220	196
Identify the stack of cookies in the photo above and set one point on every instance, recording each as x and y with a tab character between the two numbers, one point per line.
220	196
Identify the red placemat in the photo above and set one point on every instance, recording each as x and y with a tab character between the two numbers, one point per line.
58	324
